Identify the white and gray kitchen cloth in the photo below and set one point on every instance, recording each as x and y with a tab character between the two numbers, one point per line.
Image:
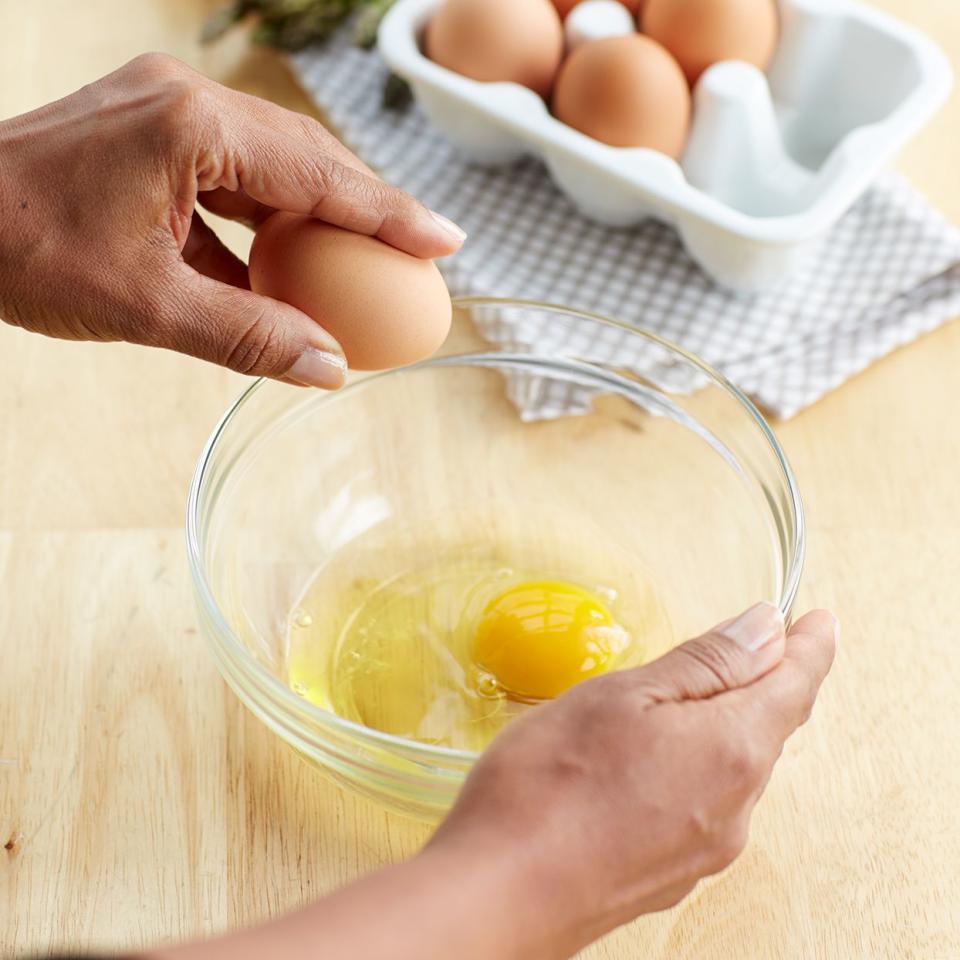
888	272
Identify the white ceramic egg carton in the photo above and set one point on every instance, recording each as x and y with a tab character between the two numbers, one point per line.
772	162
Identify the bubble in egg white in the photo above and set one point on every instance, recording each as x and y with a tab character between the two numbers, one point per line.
486	684
302	618
607	593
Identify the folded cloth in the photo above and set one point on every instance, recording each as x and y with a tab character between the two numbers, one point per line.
888	271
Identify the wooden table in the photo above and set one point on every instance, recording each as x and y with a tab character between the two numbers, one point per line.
139	803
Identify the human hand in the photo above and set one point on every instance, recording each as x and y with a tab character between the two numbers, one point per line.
100	238
612	801
617	798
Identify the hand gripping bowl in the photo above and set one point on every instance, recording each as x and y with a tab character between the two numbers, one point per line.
563	453
773	160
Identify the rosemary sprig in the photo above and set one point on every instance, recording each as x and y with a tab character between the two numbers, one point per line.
292	25
371	12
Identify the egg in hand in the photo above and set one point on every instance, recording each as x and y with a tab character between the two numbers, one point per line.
385	307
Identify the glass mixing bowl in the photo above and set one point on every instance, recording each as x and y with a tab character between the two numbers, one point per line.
578	441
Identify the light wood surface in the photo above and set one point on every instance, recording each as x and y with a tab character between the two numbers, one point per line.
139	803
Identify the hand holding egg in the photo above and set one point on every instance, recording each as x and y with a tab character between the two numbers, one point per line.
171	282
385	307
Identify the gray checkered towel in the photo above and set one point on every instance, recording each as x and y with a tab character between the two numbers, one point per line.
888	272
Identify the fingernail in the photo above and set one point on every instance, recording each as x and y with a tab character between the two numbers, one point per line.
449	227
760	625
318	368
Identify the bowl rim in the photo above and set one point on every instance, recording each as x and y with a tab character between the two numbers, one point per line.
413	748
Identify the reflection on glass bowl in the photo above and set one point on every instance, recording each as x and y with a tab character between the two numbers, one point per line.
394	505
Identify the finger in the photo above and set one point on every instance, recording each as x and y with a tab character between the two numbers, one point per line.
288	173
784	698
732	655
237	205
244	331
300	125
205	252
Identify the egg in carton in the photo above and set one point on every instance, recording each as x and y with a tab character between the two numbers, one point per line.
772	161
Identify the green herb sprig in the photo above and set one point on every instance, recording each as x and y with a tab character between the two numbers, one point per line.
291	25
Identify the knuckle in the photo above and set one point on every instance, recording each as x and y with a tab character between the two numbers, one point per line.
744	761
358	201
733	750
720	660
728	845
395	202
181	93
387	196
156	67
176	100
328	180
189	100
310	129
259	348
749	765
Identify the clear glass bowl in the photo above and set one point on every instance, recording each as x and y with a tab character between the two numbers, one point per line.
575	438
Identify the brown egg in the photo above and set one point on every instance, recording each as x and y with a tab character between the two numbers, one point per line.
565	6
385	307
626	91
700	33
518	40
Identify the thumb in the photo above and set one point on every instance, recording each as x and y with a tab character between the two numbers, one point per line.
246	332
733	654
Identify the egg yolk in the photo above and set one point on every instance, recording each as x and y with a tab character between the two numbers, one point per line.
539	639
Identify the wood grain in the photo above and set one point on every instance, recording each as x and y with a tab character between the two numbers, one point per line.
139	803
